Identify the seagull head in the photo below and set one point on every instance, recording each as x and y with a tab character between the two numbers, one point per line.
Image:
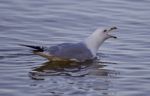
105	33
95	40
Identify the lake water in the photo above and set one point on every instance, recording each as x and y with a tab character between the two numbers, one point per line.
124	65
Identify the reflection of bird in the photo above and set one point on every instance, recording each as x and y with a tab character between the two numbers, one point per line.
60	66
82	51
74	69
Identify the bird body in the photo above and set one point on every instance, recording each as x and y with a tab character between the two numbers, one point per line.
81	51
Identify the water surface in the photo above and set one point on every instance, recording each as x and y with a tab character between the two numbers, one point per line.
123	67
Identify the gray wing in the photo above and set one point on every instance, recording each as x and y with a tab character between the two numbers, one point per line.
77	51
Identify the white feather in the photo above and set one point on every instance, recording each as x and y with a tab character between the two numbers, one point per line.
94	41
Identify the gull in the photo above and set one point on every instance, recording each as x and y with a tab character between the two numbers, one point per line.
79	52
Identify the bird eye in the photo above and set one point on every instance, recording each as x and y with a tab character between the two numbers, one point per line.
105	30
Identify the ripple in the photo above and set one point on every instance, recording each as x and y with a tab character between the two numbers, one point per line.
73	69
123	68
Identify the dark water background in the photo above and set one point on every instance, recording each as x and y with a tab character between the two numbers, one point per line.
124	65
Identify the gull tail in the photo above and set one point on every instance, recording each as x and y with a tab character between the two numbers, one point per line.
36	48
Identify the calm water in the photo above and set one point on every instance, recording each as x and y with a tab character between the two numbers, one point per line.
124	65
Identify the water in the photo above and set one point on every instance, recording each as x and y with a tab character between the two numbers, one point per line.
123	68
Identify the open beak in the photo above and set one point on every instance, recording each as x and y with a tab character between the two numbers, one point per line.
113	37
110	30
